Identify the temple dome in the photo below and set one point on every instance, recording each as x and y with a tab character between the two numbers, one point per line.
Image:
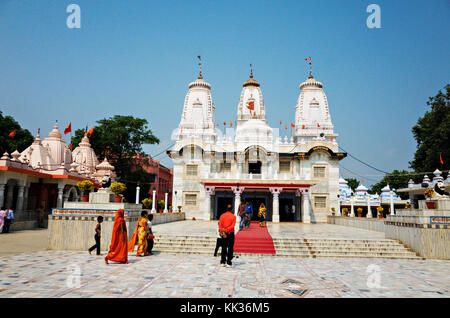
251	97
311	82
38	155
85	157
254	131
57	147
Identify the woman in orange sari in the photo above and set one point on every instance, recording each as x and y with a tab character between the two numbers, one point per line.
140	234
118	250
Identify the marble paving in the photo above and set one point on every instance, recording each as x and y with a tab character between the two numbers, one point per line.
76	274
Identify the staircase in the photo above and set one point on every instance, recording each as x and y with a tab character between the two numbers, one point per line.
289	247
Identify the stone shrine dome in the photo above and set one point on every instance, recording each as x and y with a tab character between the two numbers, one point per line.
85	158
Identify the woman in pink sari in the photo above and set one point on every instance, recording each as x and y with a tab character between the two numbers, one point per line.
118	251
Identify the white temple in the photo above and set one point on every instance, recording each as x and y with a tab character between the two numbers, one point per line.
296	178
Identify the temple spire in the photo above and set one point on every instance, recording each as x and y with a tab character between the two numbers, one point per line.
251	71
310	71
200	65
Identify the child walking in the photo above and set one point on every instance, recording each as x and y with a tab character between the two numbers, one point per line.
98	234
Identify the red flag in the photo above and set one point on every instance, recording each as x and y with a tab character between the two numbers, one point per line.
12	133
308	58
318	125
68	129
231	123
224	123
303	126
70	147
251	105
89	132
281	123
331	138
440	158
292	125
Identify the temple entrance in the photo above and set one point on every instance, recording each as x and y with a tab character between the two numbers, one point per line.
254	167
287	210
222	202
255	202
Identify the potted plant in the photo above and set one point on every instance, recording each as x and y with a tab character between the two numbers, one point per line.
359	210
85	186
429	193
147	202
345	211
333	211
179	209
380	212
407	205
170	209
161	205
118	188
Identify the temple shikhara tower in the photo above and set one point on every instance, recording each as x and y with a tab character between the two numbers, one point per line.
296	177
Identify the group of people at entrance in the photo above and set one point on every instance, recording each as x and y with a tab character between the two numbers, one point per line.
119	248
245	213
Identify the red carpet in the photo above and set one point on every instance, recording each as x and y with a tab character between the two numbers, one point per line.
255	240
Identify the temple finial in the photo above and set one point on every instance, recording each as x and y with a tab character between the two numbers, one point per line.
200	65
310	71
251	71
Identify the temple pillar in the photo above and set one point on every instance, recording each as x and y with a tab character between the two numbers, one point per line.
306	207
237	201
165	202
25	198
369	212
352	208
275	204
138	189
208	192
2	195
153	202
19	202
391	199
59	202
9	196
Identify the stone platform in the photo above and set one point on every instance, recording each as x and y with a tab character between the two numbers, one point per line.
73	226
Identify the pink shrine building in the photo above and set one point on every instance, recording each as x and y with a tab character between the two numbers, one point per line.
46	173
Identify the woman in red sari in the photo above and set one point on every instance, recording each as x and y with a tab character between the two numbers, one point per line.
118	251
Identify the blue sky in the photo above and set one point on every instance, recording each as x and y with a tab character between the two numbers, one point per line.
137	57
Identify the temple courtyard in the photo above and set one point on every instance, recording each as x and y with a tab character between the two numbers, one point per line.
28	270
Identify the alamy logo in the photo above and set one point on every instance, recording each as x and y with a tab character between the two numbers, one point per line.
73	276
374	20
374	278
74	18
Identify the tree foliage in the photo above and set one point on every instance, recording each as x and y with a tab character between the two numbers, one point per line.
352	183
120	138
432	133
20	141
396	180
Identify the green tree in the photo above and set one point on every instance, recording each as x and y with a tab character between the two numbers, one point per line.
396	180
432	133
20	141
120	138
352	183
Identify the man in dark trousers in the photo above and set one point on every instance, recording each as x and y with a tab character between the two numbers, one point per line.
227	222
